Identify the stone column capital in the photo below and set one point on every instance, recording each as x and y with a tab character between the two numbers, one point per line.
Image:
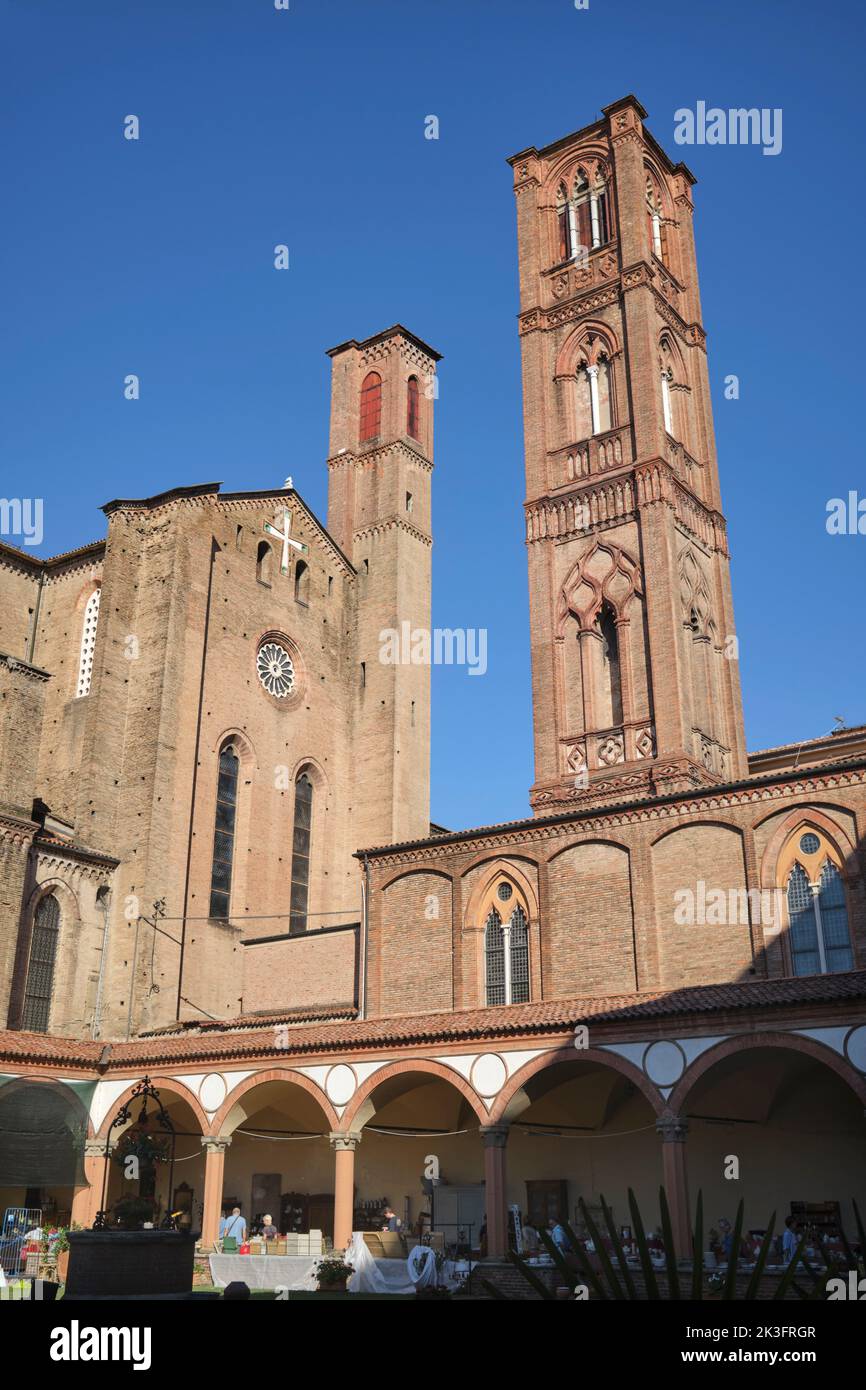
672	1129
344	1143
494	1136
216	1143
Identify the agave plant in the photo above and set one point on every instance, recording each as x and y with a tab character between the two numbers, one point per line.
616	1281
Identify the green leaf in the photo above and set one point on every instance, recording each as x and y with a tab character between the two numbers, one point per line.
555	1253
754	1283
530	1277
586	1269
631	1291
649	1274
729	1291
609	1273
698	1250
787	1279
670	1252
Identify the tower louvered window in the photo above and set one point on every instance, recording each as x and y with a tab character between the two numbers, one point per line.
88	645
412	412
371	406
40	969
224	833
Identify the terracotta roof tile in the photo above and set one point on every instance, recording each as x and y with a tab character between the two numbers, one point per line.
240	1038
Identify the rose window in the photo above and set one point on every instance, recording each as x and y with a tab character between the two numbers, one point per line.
275	670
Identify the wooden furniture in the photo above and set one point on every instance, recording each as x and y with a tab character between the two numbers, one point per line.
546	1200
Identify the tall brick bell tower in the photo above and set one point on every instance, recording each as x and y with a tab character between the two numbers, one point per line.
380	468
636	686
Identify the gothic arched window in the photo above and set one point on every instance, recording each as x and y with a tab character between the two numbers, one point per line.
413	418
302	582
506	948
371	406
594	403
494	957
583	218
40	968
818	936
675	393
303	828
655	221
88	645
563	224
224	832
611	669
264	562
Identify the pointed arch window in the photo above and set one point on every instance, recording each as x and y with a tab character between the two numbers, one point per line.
583	217
594	405
302	582
40	969
88	645
264	562
371	406
413	418
655	222
819	935
611	669
506	949
303	827
224	832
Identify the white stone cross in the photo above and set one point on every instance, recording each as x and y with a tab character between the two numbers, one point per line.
286	537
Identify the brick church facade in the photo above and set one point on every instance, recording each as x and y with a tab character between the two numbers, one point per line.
217	861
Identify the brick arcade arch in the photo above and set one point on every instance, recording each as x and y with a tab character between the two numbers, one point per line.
261	1078
750	1042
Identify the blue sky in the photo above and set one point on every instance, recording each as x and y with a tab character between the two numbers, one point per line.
307	127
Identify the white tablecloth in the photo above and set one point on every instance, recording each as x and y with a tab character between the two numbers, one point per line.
264	1271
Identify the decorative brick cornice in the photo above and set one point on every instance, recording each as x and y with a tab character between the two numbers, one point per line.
394	523
539	318
681	805
287	497
374	455
17	832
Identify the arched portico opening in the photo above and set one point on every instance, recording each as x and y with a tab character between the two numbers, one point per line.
43	1133
582	1124
278	1161
778	1123
143	1170
419	1150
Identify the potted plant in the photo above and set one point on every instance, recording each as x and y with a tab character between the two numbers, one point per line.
333	1273
55	1252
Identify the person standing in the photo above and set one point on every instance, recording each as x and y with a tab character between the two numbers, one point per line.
392	1222
234	1227
790	1239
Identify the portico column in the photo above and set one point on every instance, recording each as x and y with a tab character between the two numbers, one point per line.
672	1131
344	1146
214	1169
494	1139
86	1199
